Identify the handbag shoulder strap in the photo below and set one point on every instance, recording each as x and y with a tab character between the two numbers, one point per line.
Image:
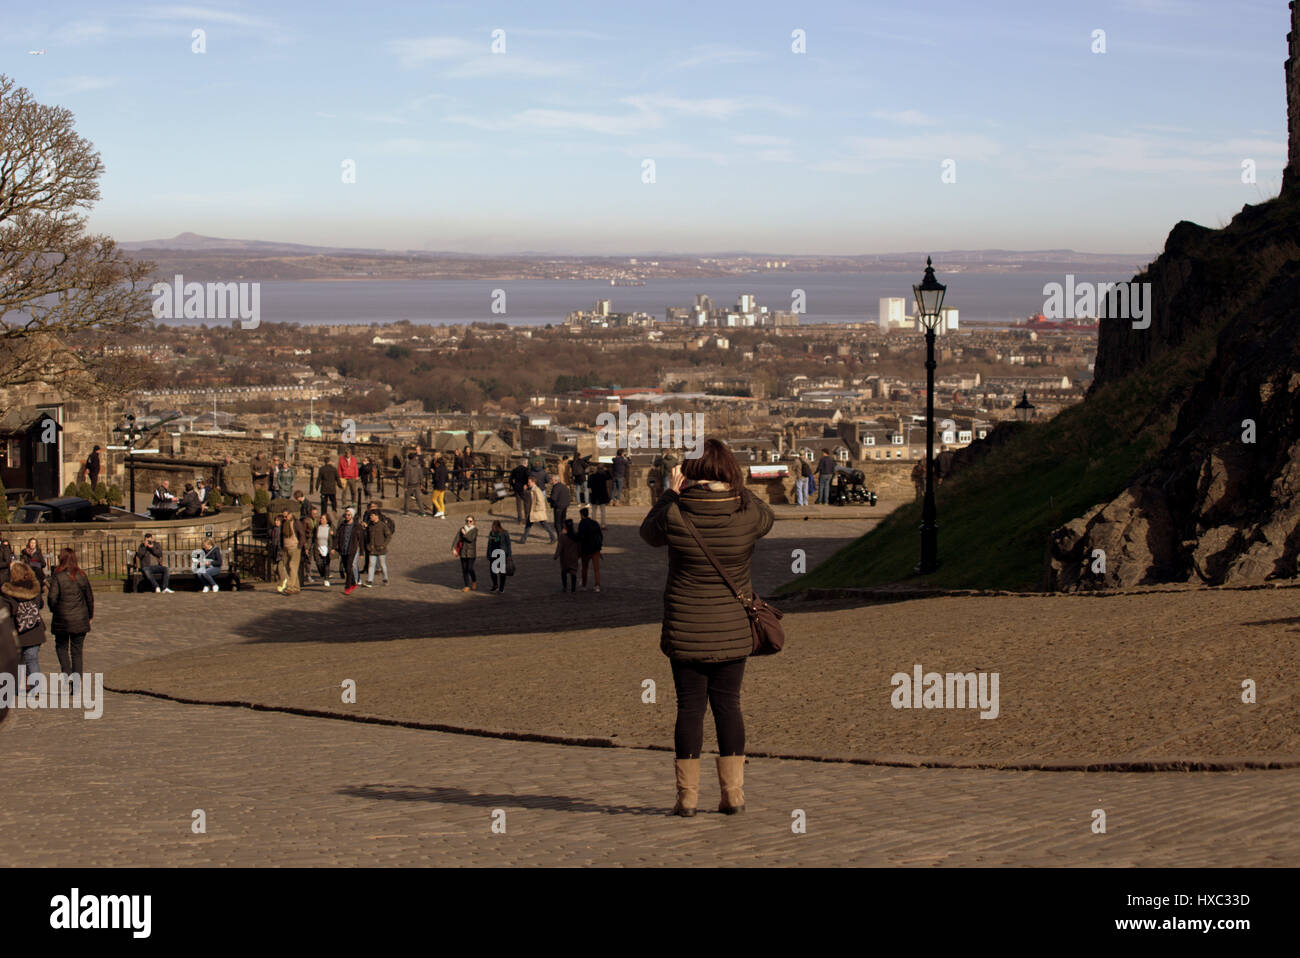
708	554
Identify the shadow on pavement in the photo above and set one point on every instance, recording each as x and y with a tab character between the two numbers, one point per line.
449	795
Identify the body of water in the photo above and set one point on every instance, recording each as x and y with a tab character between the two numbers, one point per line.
829	297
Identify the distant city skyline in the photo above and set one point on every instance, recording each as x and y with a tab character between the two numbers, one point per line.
839	150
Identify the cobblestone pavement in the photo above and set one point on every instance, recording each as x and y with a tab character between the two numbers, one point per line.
290	790
294	790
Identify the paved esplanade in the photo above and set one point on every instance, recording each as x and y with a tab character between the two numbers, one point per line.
290	789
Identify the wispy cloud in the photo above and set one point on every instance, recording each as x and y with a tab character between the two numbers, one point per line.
589	122
414	146
200	15
649	112
905	117
415	51
511	65
467	58
869	154
714	108
716	53
758	139
559	33
65	86
1147	154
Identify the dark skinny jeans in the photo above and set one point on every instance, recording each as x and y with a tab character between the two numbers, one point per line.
69	642
716	684
467	571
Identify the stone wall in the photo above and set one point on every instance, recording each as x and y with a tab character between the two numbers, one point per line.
306	452
888	480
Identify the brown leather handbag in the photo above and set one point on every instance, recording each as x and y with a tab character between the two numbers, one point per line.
764	619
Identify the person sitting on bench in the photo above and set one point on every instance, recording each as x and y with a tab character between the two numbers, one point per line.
210	565
150	559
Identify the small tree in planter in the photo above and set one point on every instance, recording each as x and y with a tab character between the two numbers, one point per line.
114	495
85	490
100	494
70	490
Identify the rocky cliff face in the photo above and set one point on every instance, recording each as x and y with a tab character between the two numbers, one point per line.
1221	504
1292	179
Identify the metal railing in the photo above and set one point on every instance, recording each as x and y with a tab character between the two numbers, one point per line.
108	555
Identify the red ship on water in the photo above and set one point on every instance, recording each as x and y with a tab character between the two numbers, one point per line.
1039	321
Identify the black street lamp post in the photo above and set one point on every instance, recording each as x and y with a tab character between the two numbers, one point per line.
132	434
929	302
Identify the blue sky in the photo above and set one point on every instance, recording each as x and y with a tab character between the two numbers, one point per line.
836	150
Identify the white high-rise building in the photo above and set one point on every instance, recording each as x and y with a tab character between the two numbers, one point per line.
947	321
893	313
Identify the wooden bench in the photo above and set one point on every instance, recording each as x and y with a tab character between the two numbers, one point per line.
179	563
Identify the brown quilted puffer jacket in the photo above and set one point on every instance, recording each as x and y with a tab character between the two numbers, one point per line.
703	621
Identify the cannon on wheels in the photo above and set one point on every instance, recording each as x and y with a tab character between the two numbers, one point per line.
849	487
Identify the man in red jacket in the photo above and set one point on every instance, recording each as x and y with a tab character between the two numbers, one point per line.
349	477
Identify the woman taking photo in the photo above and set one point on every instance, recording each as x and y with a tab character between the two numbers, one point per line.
706	633
466	538
72	607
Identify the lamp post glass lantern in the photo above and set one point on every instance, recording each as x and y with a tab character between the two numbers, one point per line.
929	302
1024	408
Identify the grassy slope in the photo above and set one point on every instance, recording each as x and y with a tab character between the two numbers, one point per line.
995	518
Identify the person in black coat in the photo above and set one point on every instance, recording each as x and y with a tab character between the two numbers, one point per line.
93	466
6	557
579	467
598	484
327	484
347	542
35	559
560	500
72	608
190	505
519	486
590	541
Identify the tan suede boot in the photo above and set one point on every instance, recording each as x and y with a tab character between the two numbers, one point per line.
731	779
688	786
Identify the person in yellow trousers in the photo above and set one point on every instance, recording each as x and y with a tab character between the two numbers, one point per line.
440	477
289	553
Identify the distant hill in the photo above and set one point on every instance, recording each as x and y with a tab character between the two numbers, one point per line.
216	258
192	242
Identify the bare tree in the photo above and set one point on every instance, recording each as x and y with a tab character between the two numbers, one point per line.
66	296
